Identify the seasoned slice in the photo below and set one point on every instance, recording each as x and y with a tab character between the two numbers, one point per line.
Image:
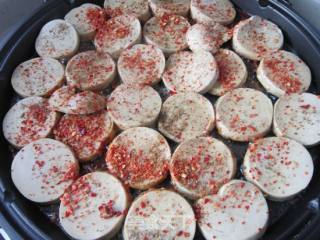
28	120
94	207
160	214
238	211
167	33
190	72
232	72
283	72
141	65
297	116
255	38
37	77
90	70
244	114
117	34
200	166
140	157
134	106
172	7
85	134
205	11
57	39
280	167
43	169
185	116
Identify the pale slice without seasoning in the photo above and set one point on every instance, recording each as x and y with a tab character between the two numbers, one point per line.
200	166
57	39
283	72
280	167
185	116
37	77
141	65
205	11
85	134
238	211
255	38
94	207
297	116
233	72
43	169
118	34
160	214
28	120
172	7
91	70
190	72
244	114
139	157
134	106
167	33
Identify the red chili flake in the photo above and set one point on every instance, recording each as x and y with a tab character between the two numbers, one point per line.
197	212
143	205
107	210
113	12
306	106
96	17
70	174
40	163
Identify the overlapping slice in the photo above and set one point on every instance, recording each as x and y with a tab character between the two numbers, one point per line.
172	7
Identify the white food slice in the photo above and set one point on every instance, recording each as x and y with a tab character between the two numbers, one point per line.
79	17
283	72
190	72
185	116
172	7
280	167
118	34
238	211
206	11
90	70
37	77
255	38
43	169
57	39
87	135
297	116
160	214
232	72
141	65
200	166
167	33
140	157
28	120
244	114
207	37
134	106
94	207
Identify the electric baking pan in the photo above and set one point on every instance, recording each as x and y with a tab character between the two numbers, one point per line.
297	219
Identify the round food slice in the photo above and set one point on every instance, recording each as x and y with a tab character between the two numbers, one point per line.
167	33
280	167
185	116
85	134
255	38
37	77
43	169
283	72
134	106
94	207
206	11
28	120
118	34
297	116
90	70
244	114
57	39
200	166
232	72
190	72
141	65
172	7
140	157
160	214
238	211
